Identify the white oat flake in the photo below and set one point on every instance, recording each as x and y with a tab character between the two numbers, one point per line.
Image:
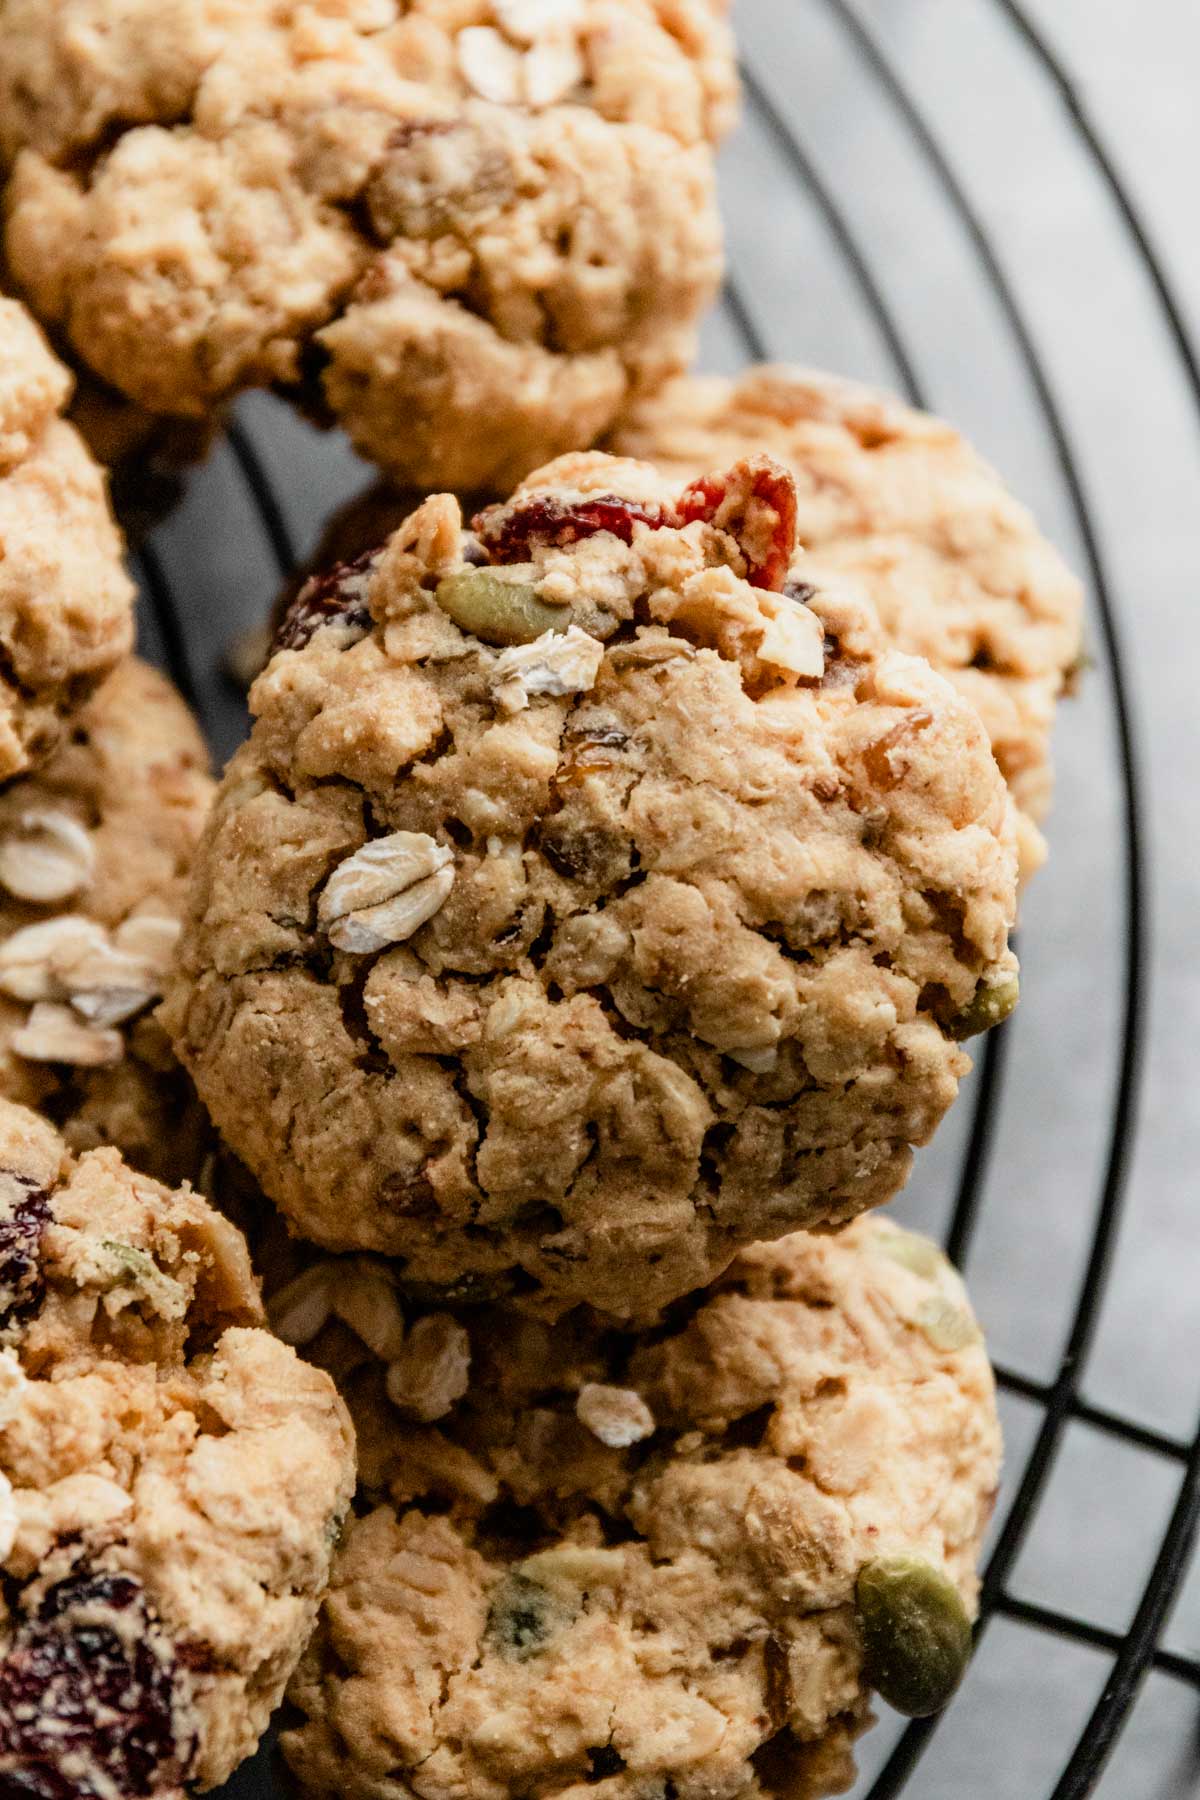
46	857
556	663
490	65
385	892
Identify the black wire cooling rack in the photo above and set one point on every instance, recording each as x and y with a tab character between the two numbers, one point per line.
1126	1656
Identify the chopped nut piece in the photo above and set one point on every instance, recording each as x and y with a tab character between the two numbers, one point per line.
617	1416
490	66
793	639
385	891
433	1369
54	1033
299	1311
47	858
364	1298
556	663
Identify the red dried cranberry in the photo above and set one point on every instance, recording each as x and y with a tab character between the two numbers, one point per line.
90	1697
335	598
21	1233
756	504
509	532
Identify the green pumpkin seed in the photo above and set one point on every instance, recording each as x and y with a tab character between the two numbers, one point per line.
948	1327
915	1631
911	1251
990	1005
482	602
523	1617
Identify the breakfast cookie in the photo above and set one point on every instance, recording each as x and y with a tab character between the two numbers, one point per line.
66	603
475	227
172	1480
957	568
583	906
593	1562
94	848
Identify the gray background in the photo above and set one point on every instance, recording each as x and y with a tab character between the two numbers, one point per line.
1134	429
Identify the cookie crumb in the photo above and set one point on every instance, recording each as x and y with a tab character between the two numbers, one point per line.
433	1369
617	1416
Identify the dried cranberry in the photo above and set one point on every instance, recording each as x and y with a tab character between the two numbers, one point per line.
755	502
90	1697
585	852
21	1283
338	597
509	532
877	755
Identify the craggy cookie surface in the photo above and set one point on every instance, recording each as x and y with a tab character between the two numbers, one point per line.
485	225
172	1478
582	907
66	603
956	567
94	849
590	1562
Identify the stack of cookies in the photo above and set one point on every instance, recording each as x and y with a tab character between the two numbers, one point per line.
561	973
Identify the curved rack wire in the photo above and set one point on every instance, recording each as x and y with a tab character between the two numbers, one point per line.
1060	1400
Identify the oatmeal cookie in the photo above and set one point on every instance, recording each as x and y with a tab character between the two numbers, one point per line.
172	1479
484	224
590	1562
957	568
66	603
94	849
583	906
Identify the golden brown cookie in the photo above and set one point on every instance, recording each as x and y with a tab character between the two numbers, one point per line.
172	1479
66	603
585	905
484	225
94	849
590	1562
957	568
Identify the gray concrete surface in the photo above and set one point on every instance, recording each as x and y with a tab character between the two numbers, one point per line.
1134	428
